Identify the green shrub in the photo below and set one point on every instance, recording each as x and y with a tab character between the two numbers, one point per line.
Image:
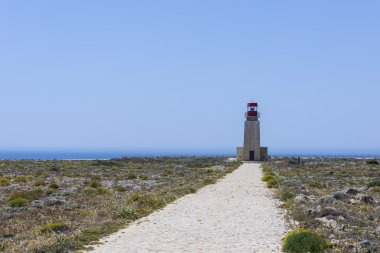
44	174
373	162
303	241
4	181
131	176
88	235
39	182
89	190
143	177
272	183
267	177
53	185
20	179
96	177
286	196
115	168
207	181
287	205
166	173
375	189
94	183
151	201
102	190
120	188
3	245
49	191
229	170
29	177
98	191
29	195
134	196
317	184
270	178
36	193
93	234
127	213
267	170
53	227
18	202
55	168
374	183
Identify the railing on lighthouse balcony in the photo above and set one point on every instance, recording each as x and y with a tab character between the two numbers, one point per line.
250	114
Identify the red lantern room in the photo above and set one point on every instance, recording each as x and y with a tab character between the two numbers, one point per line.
251	110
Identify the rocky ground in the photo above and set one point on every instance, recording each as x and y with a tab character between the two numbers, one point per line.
338	197
59	206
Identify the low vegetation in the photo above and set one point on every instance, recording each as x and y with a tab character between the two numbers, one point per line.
61	206
4	181
53	227
270	178
303	241
332	200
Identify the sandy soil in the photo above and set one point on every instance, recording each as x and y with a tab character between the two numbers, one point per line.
238	214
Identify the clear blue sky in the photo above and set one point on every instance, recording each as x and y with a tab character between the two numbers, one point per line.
176	75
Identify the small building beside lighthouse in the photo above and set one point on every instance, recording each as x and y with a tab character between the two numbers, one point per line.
252	151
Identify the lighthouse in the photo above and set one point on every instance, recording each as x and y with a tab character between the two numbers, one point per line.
252	151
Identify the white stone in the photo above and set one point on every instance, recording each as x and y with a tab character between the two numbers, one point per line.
328	223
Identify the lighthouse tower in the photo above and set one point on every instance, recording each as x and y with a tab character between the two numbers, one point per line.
252	151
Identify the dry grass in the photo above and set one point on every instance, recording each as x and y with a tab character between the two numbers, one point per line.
60	206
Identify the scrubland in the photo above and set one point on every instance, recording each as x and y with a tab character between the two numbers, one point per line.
66	205
338	199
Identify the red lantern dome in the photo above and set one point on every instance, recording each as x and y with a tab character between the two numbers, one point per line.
251	110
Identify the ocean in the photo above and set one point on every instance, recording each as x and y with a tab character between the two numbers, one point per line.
90	155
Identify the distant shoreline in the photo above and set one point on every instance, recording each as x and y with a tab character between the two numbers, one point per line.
110	155
98	155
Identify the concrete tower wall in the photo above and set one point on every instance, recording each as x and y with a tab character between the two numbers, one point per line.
251	140
239	153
